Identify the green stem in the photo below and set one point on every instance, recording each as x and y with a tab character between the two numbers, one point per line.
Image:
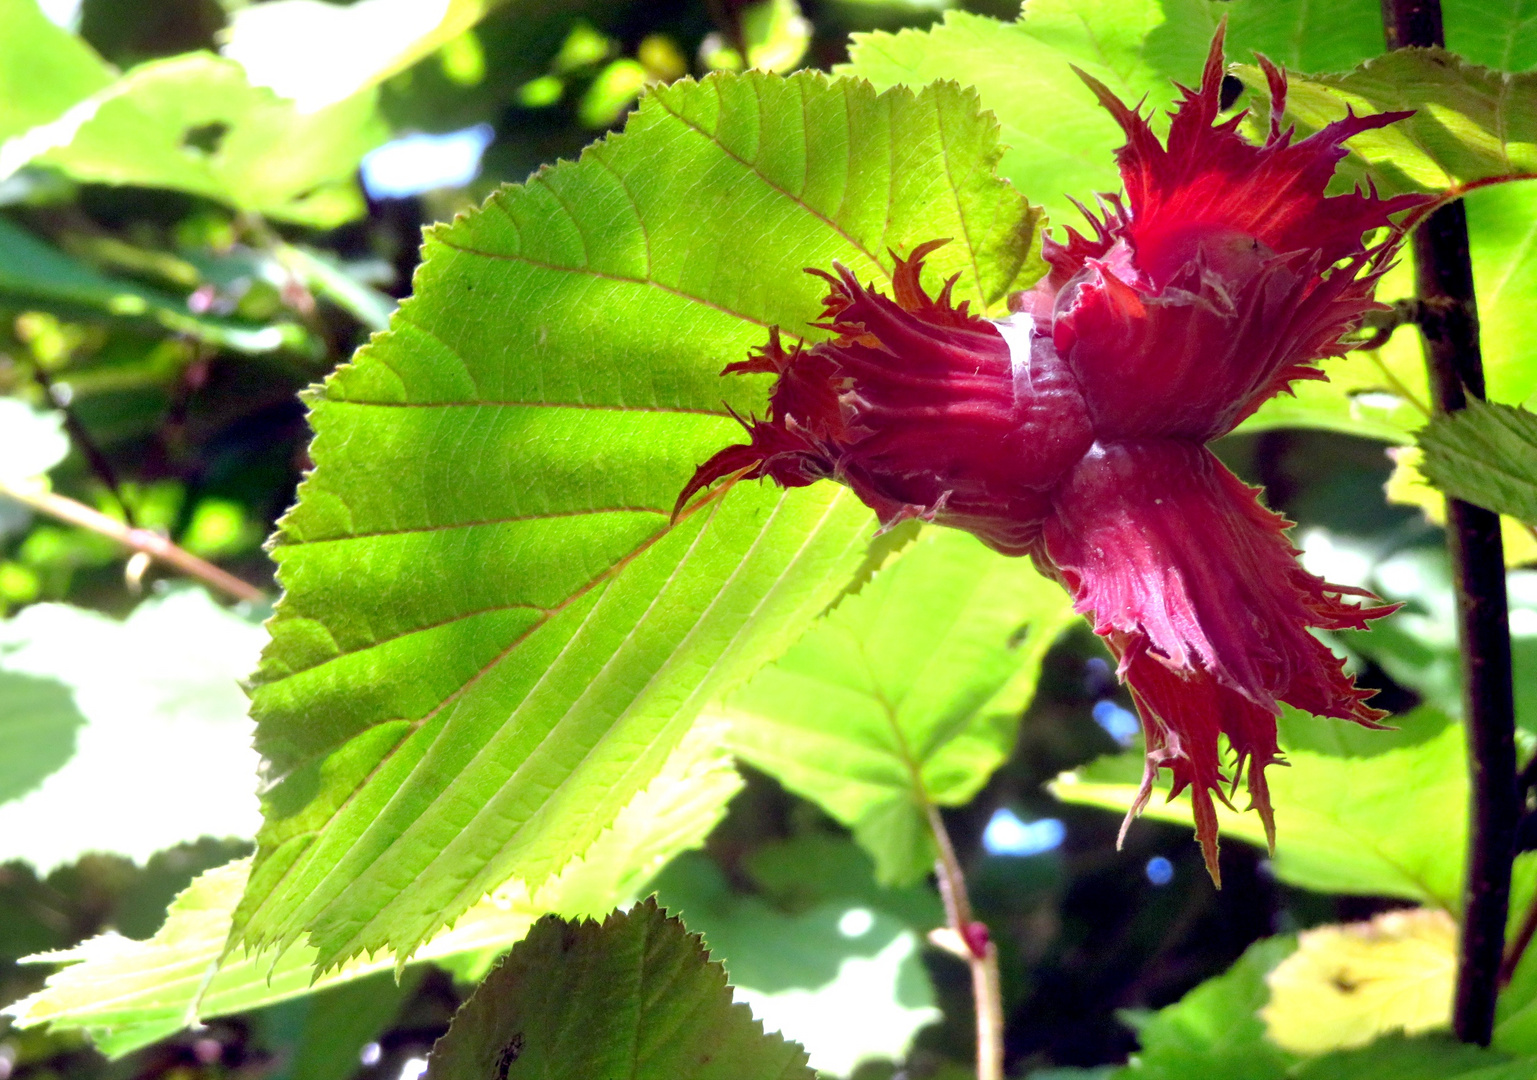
986	987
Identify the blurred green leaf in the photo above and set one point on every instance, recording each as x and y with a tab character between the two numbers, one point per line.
1485	454
1470	123
1299	34
906	695
1495	33
491	627
319	54
43	69
165	749
128	994
38	726
843	977
320	1036
36	274
635	998
1429	1057
1386	825
193	123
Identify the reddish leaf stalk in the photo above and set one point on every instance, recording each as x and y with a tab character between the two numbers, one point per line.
141	540
970	940
1444	276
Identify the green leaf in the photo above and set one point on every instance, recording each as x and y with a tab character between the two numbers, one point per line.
165	743
38	727
1470	123
128	994
1485	454
492	635
319	1036
1495	33
193	123
1299	34
906	695
36	274
320	54
636	998
1387	825
843	978
1429	1057
1059	139
1213	1032
43	69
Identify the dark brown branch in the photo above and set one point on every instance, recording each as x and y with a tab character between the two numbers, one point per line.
1449	321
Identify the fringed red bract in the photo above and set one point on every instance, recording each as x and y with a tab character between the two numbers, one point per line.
1075	430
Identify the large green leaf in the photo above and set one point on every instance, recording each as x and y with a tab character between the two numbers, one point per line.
128	994
33	273
165	742
905	696
1485	454
842	978
490	626
193	123
43	69
635	998
1386	825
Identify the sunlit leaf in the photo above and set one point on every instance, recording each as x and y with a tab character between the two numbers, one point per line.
1407	486
1346	985
492	634
320	53
32	441
1060	141
165	744
843	978
193	123
906	695
43	69
128	994
1386	825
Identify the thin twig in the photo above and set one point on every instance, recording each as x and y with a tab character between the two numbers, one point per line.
1518	947
1449	322
150	543
969	940
94	457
